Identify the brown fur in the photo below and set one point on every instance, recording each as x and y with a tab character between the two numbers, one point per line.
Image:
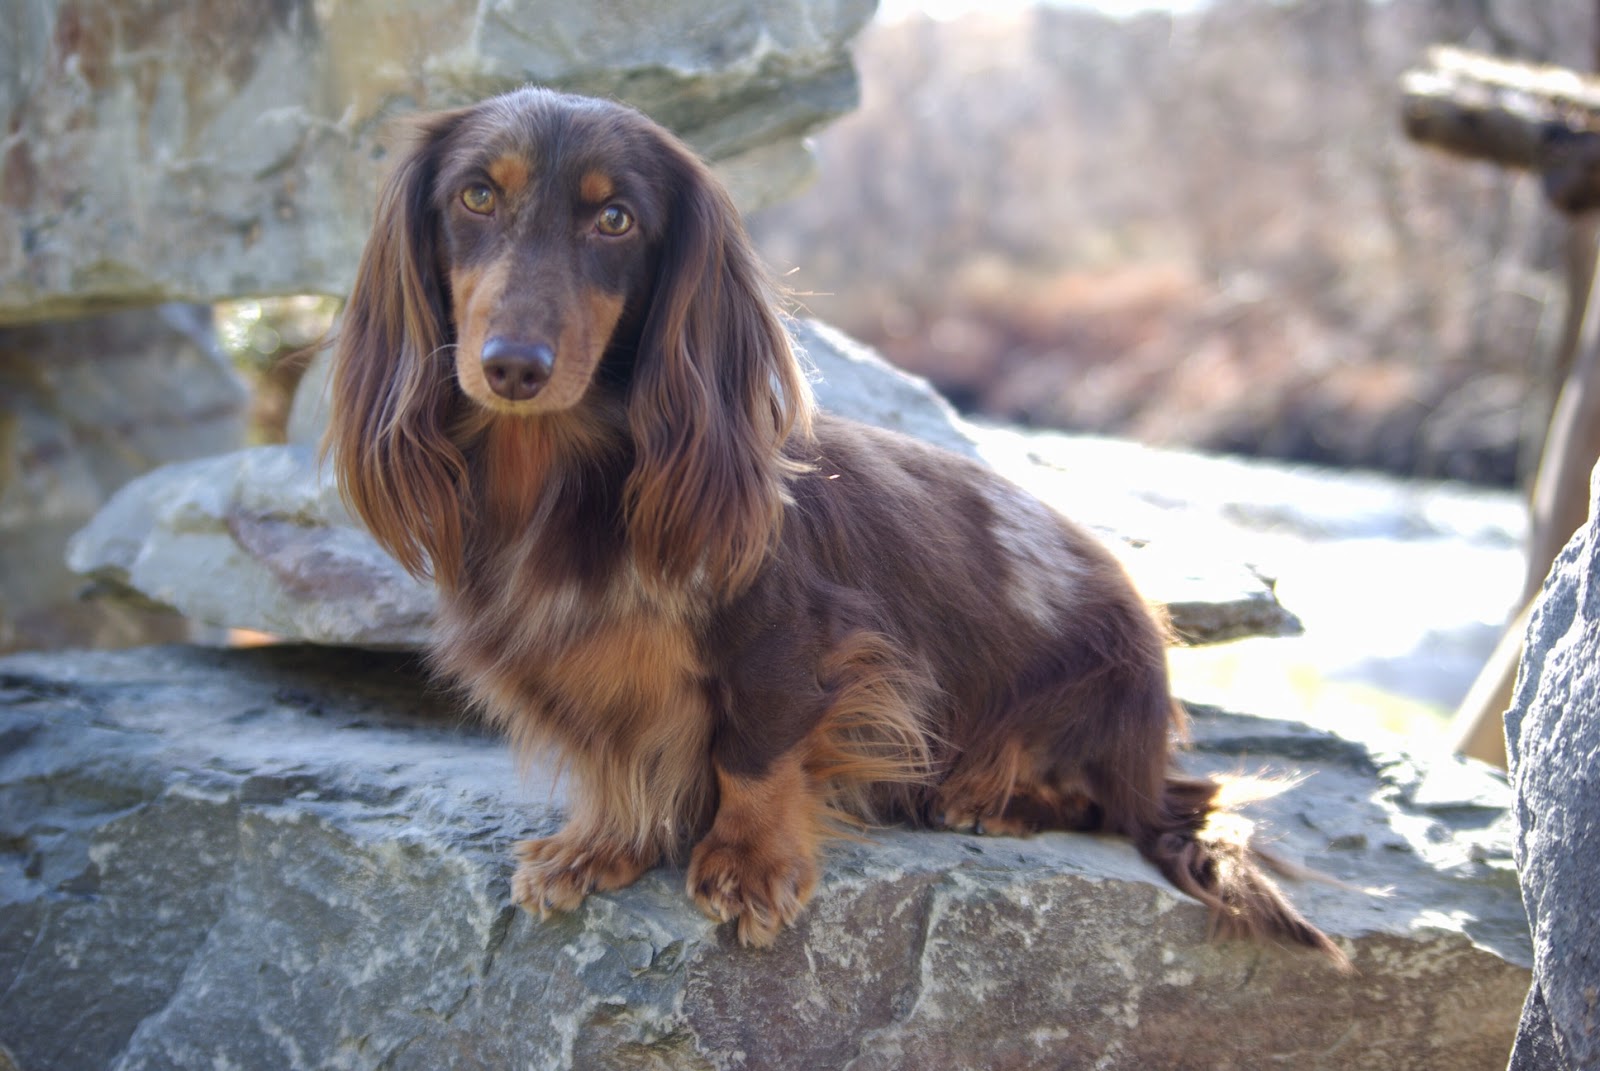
738	625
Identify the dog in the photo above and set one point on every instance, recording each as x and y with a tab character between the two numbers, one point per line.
562	389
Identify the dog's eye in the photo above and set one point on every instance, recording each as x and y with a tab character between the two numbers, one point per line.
614	220
478	198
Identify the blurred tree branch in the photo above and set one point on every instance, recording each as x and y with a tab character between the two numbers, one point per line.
1519	115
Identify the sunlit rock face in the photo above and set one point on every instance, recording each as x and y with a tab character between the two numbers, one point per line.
1552	739
202	150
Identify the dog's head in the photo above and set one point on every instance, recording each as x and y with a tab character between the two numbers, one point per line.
544	257
551	216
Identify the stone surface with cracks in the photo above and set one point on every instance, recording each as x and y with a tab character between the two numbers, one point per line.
299	858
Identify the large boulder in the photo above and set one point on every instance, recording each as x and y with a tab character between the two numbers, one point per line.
258	539
198	150
299	858
1553	743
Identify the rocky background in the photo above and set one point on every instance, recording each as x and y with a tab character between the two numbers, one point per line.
204	150
85	405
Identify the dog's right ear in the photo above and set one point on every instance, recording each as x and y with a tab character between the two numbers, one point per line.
716	394
393	388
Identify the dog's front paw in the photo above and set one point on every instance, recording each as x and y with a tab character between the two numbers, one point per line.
556	873
764	891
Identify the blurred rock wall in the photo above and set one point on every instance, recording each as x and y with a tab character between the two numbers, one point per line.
207	149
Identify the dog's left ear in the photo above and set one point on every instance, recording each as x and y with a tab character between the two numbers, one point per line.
716	393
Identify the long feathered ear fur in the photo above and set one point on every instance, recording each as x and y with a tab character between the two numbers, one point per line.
716	393
393	394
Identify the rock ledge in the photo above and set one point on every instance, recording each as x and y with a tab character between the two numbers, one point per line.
298	858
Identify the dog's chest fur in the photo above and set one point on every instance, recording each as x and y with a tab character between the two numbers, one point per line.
557	661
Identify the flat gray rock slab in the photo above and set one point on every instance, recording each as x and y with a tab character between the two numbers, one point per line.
258	539
299	858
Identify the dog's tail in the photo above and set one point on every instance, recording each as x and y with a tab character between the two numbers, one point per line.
1205	848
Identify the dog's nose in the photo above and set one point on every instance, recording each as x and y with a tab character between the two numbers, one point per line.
516	370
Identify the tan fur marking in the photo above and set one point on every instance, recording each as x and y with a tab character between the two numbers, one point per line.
464	284
873	750
596	187
510	172
981	786
475	292
514	448
1003	794
632	665
582	342
556	873
523	462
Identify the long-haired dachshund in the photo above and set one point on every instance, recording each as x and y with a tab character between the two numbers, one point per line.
562	390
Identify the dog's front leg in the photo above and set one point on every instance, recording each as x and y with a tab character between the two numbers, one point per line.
758	863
